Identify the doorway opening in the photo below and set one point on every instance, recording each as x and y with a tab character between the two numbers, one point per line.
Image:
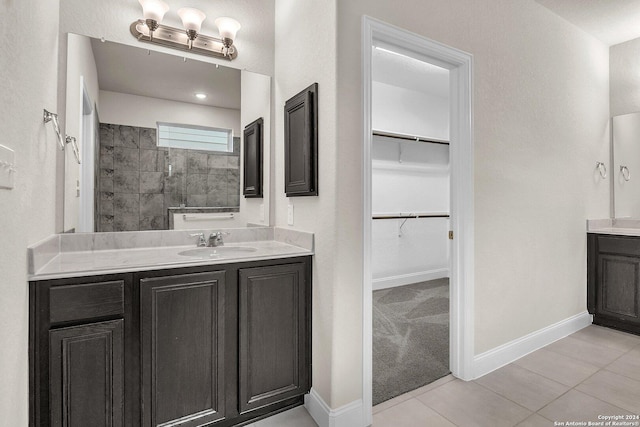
433	181
410	223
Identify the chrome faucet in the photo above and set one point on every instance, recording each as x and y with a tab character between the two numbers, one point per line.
215	239
201	240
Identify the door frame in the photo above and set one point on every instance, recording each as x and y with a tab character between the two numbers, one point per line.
460	65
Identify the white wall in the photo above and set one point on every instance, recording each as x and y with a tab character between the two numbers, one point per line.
28	83
302	28
409	177
399	110
541	122
255	103
624	67
133	110
409	251
81	69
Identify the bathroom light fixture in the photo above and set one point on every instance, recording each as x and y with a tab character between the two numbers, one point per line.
228	28
153	12
149	30
192	22
201	95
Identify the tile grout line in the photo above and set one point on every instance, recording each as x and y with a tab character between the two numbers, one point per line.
506	398
412	396
596	397
606	330
435	410
579	391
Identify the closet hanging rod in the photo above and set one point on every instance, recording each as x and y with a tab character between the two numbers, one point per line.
410	137
408	216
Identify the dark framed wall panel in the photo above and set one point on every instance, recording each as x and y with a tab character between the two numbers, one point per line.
301	143
253	141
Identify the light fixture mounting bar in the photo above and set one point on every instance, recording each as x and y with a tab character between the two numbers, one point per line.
177	38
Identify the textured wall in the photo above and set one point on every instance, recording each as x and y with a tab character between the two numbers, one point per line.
28	83
541	122
301	27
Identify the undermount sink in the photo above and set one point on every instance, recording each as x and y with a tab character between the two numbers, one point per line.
217	252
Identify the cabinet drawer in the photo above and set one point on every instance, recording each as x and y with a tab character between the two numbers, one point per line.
619	245
86	301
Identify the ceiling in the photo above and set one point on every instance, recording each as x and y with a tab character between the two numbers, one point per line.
610	21
409	73
135	71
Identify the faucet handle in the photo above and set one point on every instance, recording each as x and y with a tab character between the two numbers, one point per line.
201	240
220	233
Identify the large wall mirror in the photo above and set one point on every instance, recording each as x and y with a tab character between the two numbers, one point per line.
159	137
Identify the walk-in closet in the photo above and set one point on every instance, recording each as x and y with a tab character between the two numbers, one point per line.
410	223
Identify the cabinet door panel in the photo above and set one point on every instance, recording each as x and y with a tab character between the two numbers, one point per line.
301	143
273	329
86	383
618	290
253	159
183	349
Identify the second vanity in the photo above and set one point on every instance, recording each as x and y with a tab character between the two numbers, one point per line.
146	329
613	273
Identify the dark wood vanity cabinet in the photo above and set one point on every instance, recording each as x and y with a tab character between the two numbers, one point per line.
77	337
198	346
613	291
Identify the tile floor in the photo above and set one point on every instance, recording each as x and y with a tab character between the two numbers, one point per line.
594	372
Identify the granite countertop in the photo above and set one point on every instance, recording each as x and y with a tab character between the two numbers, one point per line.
619	227
109	253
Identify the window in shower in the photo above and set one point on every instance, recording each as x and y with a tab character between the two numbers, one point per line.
192	137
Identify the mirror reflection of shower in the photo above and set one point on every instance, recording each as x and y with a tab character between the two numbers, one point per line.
129	180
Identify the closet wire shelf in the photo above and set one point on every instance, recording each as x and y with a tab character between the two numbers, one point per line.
409	137
409	216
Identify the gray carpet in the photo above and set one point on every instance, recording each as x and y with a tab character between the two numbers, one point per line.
410	337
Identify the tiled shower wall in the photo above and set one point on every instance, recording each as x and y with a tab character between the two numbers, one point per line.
134	186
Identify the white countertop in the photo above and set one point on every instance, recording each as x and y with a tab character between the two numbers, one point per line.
87	263
86	254
616	231
618	227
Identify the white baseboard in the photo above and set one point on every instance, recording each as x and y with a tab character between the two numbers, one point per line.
503	355
407	279
349	415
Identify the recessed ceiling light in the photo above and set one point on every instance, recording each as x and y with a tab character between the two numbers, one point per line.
201	95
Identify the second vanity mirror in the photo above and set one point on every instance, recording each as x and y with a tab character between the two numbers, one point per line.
160	139
625	165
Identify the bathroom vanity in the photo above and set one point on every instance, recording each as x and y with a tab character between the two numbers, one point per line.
220	340
613	278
